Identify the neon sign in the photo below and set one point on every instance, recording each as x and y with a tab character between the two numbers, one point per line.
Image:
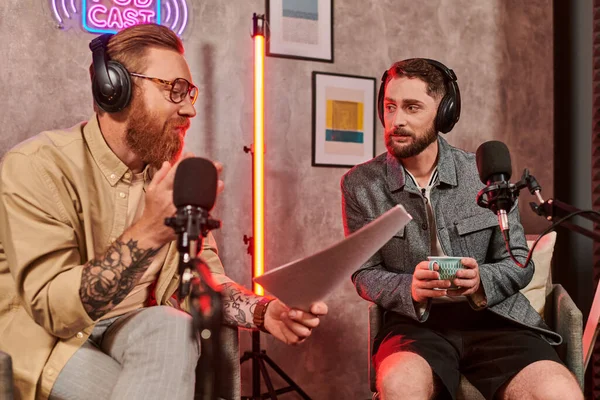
102	16
110	16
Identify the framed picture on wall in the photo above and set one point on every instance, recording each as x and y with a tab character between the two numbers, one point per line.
343	113
300	29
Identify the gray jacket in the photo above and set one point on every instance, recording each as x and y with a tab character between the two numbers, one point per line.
464	230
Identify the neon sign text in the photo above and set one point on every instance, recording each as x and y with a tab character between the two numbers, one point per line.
102	16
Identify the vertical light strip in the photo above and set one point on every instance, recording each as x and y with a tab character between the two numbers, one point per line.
259	161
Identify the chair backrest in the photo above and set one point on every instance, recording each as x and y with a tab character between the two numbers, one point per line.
541	283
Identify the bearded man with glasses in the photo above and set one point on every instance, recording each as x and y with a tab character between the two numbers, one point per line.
88	268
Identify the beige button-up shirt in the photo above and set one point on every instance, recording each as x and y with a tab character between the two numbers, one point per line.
63	199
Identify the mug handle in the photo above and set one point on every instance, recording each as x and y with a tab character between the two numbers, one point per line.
432	263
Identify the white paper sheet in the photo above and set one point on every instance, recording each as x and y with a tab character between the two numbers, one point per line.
303	282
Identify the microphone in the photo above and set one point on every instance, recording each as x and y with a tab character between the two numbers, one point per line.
495	169
194	194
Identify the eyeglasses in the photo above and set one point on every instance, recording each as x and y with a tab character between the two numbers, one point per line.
179	88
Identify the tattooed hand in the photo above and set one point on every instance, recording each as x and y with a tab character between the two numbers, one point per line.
292	326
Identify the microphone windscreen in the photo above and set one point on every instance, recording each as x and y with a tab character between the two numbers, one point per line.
493	159
195	183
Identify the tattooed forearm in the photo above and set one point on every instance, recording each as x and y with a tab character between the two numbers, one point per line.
106	280
238	305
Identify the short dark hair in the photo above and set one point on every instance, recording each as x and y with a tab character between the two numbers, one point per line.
423	70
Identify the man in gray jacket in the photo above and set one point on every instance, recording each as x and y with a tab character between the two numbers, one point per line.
486	329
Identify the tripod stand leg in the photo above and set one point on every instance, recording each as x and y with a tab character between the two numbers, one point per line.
256	364
247	356
267	379
289	380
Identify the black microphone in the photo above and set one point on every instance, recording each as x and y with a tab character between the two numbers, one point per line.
194	194
195	184
495	169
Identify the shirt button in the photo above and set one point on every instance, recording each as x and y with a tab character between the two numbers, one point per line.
112	176
79	335
50	372
424	226
122	195
127	175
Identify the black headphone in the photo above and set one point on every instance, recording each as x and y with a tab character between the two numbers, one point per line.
111	85
448	111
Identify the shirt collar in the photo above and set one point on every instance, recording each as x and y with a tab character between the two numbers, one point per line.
433	179
109	164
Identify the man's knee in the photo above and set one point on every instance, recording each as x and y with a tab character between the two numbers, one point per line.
173	328
543	380
405	375
172	316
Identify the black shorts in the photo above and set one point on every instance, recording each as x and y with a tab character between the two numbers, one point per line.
486	348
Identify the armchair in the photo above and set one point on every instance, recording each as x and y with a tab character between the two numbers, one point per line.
551	300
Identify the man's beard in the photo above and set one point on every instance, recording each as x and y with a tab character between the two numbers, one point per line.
418	144
154	142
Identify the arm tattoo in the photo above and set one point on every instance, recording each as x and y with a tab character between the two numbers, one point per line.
238	305
106	280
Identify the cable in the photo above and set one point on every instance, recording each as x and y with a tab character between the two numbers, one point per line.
547	230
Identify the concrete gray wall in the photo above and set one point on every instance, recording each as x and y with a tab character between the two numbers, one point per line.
501	51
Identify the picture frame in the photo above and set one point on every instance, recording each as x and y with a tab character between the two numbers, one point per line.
300	29
343	119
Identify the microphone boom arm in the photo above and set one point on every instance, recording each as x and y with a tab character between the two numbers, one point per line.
552	208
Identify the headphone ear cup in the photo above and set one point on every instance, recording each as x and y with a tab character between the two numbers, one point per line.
121	82
444	120
380	97
449	109
380	103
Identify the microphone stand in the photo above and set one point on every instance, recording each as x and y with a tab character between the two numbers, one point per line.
551	209
192	224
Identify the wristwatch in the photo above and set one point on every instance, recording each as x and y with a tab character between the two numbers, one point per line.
259	313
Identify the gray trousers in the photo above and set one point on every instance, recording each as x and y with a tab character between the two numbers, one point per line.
146	354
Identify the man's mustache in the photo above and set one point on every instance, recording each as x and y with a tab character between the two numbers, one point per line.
402	132
180	122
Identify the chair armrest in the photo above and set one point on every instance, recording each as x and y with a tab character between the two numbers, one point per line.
566	319
6	377
230	387
375	323
229	379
